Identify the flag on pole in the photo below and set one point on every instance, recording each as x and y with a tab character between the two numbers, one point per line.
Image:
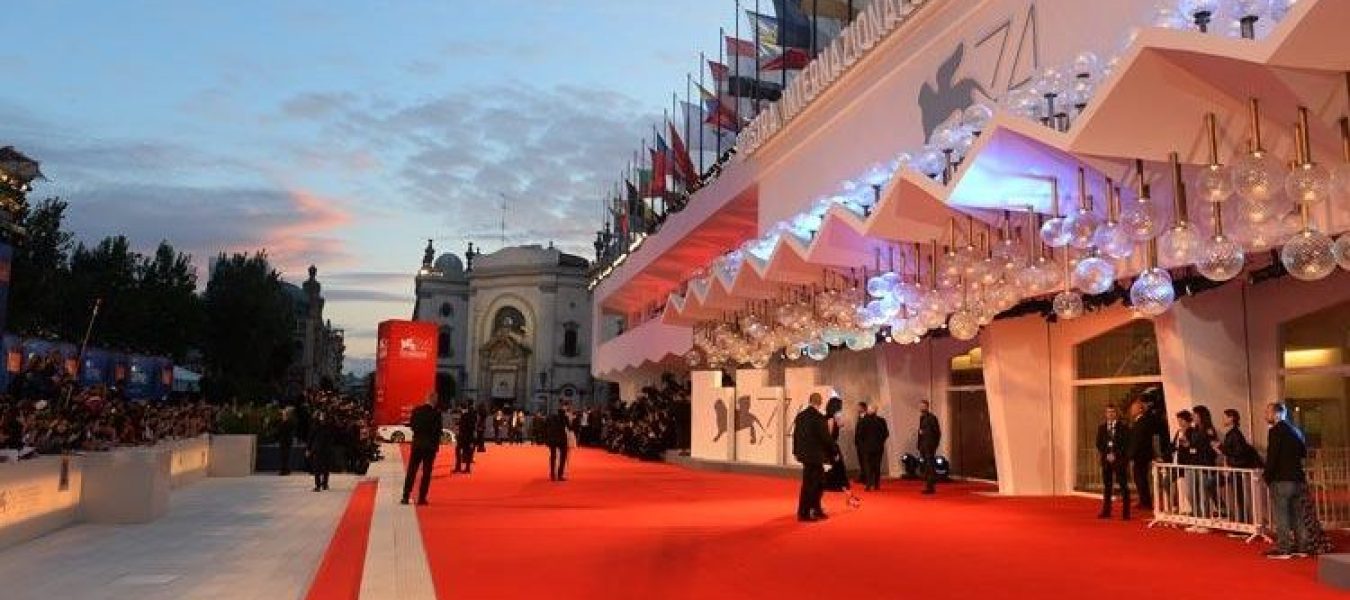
798	25
684	165
713	137
784	58
656	186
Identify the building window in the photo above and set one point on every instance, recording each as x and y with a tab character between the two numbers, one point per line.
508	319
447	310
1113	368
444	343
570	344
1315	375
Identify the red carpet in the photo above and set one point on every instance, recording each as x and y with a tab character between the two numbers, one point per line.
339	575
625	529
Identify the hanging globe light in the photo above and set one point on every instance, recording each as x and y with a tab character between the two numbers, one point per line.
1140	216
1340	174
1008	251
1111	238
693	358
1221	258
964	325
1309	255
1257	175
817	351
1053	231
1151	293
1180	244
1081	226
1342	251
1094	274
1068	305
1308	183
1214	181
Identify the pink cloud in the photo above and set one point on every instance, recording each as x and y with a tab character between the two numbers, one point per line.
306	236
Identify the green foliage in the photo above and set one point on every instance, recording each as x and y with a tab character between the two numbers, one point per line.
243	323
39	270
249	324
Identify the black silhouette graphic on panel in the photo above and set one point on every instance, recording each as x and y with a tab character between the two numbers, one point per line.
720	410
747	420
938	103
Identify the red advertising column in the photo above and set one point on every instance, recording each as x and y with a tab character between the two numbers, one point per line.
405	369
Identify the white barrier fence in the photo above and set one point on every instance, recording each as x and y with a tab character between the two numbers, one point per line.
1222	498
1329	485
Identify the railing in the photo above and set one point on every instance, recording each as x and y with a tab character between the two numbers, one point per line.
1222	498
1329	485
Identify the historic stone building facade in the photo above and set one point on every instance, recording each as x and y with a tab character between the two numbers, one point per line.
514	324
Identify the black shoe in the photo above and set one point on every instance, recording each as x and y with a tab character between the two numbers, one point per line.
807	519
1125	517
820	516
422	502
1103	515
317	489
325	486
561	478
929	492
403	501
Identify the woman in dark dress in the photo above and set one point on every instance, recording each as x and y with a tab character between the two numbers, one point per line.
320	450
836	479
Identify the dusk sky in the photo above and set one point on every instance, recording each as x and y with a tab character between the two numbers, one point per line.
342	133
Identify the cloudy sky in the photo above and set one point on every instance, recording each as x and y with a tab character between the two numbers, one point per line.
342	133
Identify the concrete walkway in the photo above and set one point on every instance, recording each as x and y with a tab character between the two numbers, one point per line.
396	563
252	537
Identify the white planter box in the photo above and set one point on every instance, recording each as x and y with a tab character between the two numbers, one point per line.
232	455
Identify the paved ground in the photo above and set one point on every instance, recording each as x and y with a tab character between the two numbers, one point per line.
255	537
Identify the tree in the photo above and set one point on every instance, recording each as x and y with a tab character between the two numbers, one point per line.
108	272
250	321
169	312
39	271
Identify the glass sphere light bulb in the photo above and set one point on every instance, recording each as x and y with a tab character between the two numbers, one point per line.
1309	255
1221	259
1151	293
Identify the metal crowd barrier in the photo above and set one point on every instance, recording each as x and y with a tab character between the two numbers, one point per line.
1329	485
1222	498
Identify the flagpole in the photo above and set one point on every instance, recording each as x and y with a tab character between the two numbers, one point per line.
754	90
688	85
783	48
721	51
815	23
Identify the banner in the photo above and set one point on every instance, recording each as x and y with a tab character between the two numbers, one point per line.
405	369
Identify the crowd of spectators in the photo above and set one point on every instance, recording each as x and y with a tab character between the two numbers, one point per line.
653	423
43	411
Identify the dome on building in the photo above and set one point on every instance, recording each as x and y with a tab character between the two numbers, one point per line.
449	265
532	255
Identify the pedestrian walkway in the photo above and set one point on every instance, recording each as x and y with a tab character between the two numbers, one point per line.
241	538
396	563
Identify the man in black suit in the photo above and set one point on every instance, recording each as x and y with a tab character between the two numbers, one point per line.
1141	451
870	439
930	435
555	436
811	446
466	435
1113	439
425	422
1288	482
